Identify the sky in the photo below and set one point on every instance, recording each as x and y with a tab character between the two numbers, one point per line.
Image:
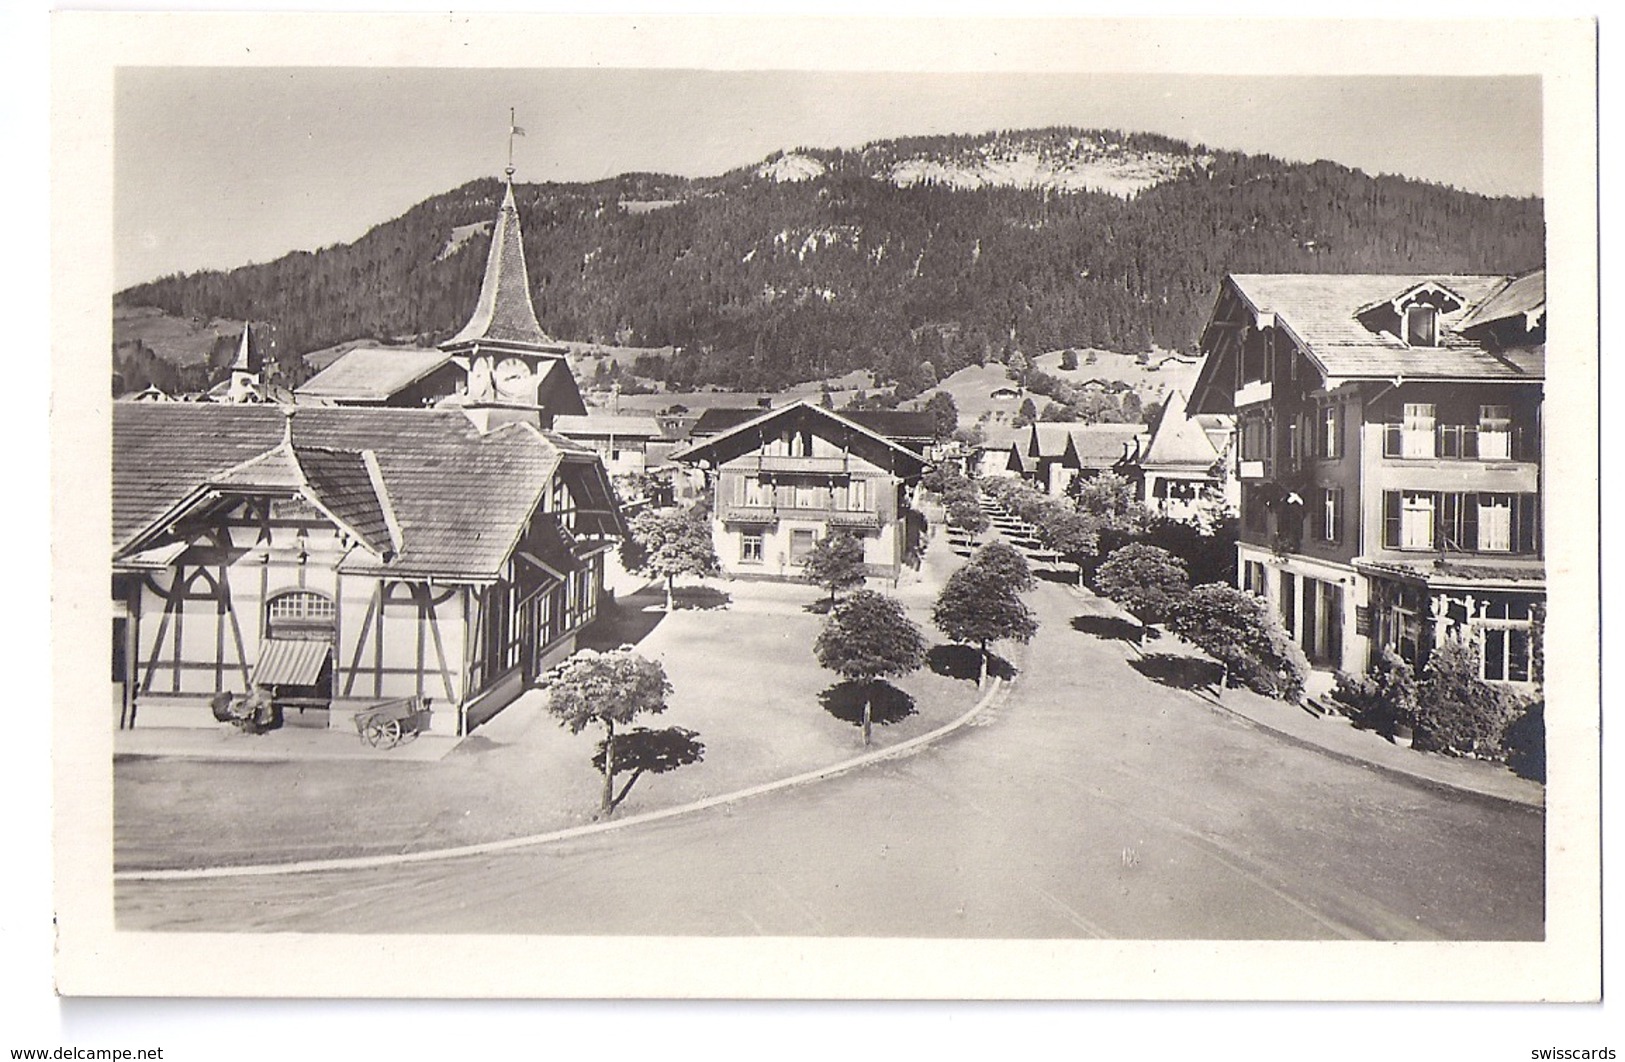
217	167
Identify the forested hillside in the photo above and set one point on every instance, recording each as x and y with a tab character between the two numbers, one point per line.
947	250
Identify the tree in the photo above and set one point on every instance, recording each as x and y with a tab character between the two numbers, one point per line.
609	690
1069	359
868	637
835	563
944	414
1007	563
1239	631
1458	712
978	604
1145	580
966	515
1026	414
666	543
1069	533
1109	499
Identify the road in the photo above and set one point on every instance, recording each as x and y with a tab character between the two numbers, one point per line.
1089	803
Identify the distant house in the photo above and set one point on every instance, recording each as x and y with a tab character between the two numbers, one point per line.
622	440
340	556
1051	454
787	477
402	377
1186	458
1005	391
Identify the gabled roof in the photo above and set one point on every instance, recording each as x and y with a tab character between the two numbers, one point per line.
349	485
1320	312
373	374
1179	439
459	499
1101	446
596	425
504	312
1047	439
896	423
719	419
1523	296
701	446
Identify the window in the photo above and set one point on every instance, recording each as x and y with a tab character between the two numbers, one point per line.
857	496
1405	628
1417	430
1495	432
300	605
1494	523
756	493
806	496
1294	446
750	548
1407	519
1331	432
1255	577
1421	326
801	544
1331	514
1505	642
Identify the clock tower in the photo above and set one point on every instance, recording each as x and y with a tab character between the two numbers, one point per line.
516	371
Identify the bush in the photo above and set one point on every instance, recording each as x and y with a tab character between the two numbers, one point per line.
1526	742
1459	713
1239	631
1384	698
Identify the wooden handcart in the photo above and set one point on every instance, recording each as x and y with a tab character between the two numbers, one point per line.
383	726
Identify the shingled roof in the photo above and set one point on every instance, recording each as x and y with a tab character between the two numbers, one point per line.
373	374
1321	312
459	499
1179	439
504	312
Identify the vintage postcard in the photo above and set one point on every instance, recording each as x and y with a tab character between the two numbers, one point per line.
846	508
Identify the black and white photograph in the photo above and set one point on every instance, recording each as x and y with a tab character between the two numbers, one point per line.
583	507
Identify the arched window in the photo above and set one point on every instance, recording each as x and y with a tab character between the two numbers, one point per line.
300	613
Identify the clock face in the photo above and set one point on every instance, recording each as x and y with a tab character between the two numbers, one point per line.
514	381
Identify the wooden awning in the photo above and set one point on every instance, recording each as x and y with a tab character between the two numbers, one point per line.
290	661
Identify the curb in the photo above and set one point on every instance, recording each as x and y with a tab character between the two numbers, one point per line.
1360	761
313	866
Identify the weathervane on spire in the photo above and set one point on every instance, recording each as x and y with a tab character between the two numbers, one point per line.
513	131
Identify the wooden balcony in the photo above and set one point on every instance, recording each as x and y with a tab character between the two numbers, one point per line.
826	466
768	515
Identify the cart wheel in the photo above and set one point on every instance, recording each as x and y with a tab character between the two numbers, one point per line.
389	733
374	732
408	736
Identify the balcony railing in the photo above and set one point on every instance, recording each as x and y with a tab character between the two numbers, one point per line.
765	515
1253	392
816	465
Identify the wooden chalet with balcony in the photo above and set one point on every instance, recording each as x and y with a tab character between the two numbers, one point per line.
1390	457
787	477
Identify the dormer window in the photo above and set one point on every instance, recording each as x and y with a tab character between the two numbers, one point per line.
1421	326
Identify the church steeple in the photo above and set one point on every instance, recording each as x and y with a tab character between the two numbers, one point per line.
515	370
504	312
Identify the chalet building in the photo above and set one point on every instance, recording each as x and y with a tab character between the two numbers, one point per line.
337	557
787	477
1051	454
1390	458
622	441
501	366
1188	462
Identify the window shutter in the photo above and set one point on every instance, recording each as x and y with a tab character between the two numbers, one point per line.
1390	519
1469	521
1337	514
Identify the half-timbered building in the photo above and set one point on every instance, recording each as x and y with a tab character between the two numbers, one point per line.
336	557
